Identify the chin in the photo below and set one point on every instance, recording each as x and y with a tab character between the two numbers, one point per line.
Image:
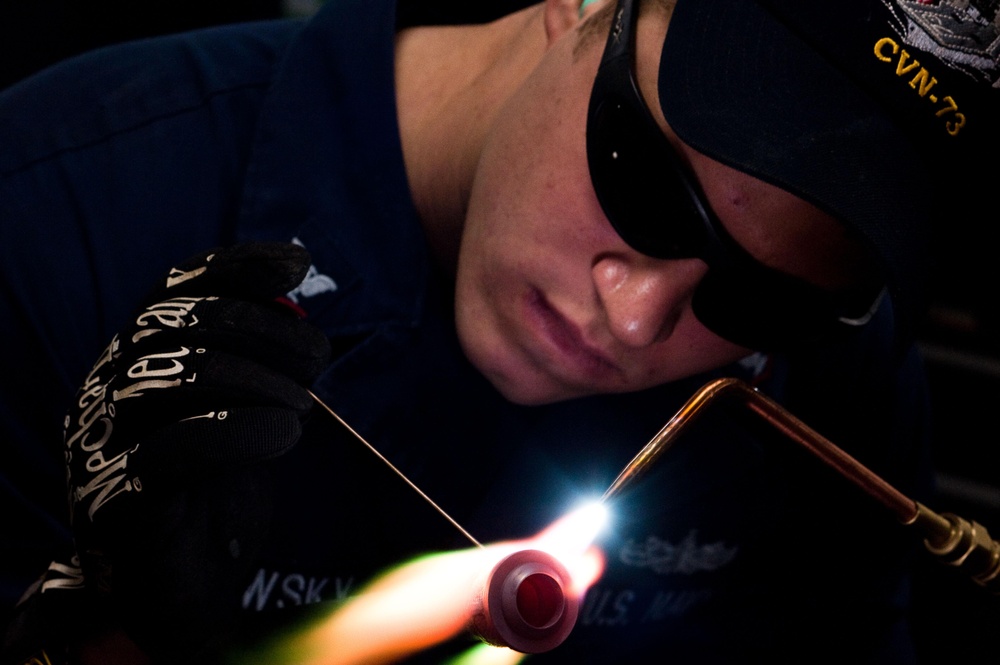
530	389
525	387
527	392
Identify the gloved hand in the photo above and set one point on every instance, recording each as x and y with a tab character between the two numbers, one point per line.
165	438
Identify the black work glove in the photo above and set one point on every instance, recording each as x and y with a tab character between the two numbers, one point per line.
164	442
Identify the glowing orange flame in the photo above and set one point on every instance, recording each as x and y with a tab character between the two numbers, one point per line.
569	540
428	601
484	654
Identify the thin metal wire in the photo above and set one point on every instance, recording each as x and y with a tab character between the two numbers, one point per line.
395	470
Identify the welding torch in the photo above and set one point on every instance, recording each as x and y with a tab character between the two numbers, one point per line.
953	540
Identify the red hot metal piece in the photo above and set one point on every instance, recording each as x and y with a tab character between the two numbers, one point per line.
525	605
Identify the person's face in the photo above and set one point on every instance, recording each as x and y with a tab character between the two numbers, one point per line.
551	303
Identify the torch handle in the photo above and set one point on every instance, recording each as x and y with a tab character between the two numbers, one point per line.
778	417
955	541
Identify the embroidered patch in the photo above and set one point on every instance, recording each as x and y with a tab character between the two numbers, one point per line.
963	34
686	558
314	283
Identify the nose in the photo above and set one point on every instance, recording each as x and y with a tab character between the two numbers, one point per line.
643	298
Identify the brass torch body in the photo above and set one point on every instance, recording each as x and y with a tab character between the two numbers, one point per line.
950	538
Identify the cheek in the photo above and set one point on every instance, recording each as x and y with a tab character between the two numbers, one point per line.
691	350
532	178
531	224
478	323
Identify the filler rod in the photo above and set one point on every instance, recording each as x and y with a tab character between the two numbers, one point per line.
395	470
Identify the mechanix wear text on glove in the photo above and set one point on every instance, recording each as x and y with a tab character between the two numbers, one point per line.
164	439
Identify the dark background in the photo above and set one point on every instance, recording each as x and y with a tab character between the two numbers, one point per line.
960	337
36	33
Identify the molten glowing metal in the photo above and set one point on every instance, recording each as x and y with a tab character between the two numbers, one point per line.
524	604
538	583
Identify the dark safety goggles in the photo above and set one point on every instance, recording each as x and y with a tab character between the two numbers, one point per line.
657	207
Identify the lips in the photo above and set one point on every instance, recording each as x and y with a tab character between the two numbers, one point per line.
563	349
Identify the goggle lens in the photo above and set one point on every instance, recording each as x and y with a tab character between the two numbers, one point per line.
658	209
